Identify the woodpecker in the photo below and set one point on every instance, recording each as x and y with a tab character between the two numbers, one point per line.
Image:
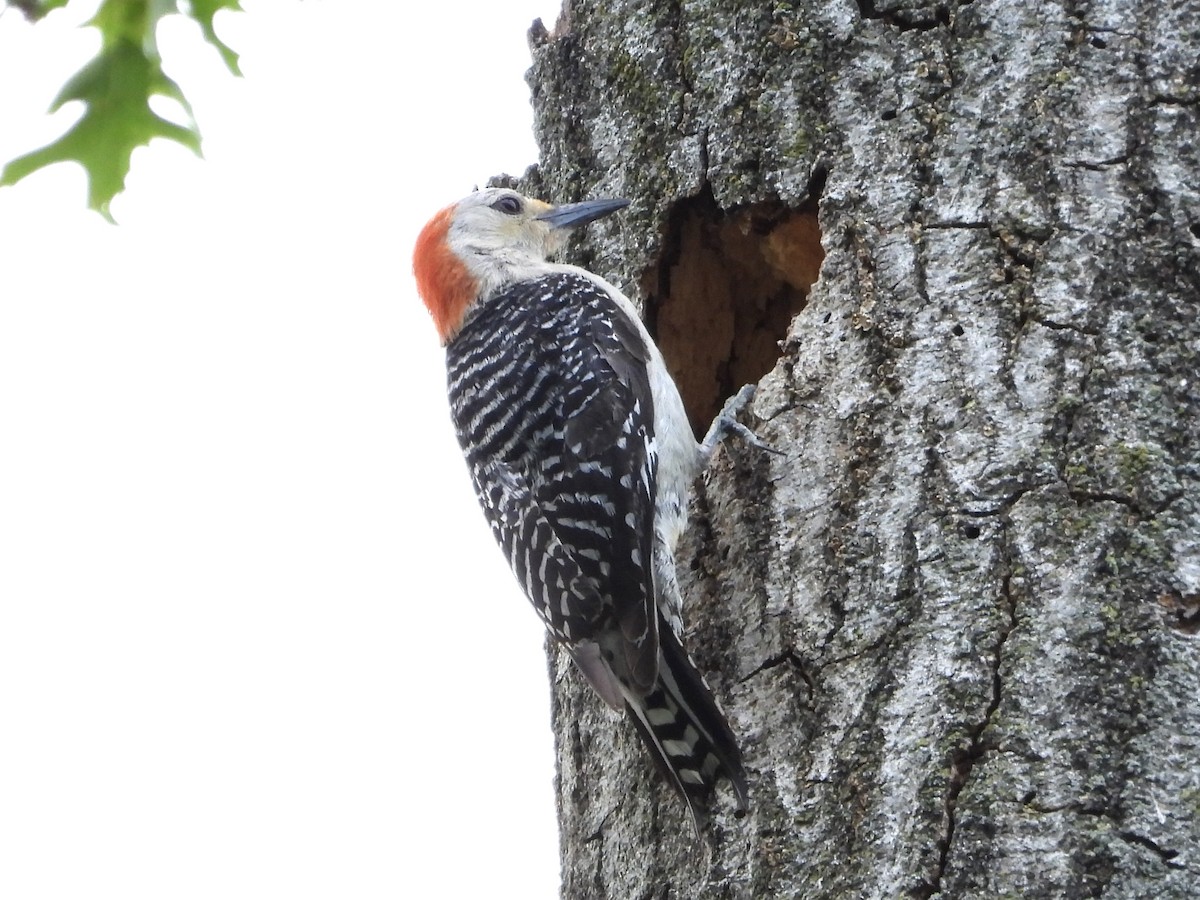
582	457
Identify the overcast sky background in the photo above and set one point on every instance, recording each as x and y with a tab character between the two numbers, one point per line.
255	639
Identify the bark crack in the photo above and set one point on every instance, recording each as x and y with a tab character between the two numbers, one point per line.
1098	165
1085	808
789	658
1172	100
949	224
903	19
866	650
1166	855
1081	496
1061	326
964	760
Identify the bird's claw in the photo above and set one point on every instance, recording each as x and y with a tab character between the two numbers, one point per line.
726	423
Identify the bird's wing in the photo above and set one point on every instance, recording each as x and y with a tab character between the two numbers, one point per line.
567	475
601	501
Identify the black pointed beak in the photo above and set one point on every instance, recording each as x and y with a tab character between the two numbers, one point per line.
572	215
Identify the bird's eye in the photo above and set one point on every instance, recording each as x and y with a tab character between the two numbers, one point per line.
510	206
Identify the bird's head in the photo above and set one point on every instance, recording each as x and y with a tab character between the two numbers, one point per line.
488	240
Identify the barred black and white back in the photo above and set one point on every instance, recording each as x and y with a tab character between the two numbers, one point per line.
566	464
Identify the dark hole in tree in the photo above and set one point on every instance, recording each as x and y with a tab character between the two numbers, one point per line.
957	331
726	289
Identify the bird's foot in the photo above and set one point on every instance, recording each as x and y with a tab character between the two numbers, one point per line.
726	423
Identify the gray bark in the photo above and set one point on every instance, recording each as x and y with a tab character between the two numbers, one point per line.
956	625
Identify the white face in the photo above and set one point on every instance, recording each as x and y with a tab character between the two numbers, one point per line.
496	233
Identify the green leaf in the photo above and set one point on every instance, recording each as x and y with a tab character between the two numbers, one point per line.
36	9
116	88
203	12
51	5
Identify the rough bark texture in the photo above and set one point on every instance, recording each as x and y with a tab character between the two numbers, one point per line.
956	626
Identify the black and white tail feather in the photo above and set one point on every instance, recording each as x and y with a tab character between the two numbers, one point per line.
687	734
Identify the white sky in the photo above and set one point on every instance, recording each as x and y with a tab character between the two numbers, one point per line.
255	639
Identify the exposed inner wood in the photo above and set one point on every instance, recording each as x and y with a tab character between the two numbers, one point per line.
721	299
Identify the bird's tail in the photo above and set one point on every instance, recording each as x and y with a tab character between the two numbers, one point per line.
687	734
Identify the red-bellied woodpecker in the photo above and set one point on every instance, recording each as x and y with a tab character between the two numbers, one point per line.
582	457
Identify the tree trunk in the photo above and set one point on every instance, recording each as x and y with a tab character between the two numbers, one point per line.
955	626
